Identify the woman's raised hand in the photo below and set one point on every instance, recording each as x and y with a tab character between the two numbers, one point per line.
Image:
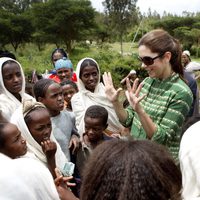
111	93
132	94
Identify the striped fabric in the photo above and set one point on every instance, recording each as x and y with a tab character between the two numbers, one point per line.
167	103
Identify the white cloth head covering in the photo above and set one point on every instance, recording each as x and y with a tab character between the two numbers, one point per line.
84	99
25	178
186	52
34	149
8	102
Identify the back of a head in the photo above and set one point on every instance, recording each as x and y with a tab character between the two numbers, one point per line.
130	170
160	41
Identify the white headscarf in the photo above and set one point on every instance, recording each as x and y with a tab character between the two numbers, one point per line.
34	149
84	99
25	178
8	102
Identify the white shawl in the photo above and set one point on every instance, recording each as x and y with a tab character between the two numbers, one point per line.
84	99
34	149
25	178
8	102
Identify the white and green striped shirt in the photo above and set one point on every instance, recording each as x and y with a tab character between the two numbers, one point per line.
167	102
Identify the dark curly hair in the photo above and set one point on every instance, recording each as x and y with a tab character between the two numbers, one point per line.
130	170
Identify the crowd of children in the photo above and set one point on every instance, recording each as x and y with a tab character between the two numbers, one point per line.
71	134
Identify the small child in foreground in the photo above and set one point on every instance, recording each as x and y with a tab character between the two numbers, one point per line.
12	144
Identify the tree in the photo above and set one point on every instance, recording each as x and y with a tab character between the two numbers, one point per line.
122	13
64	21
15	28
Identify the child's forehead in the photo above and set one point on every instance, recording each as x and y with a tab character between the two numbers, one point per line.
93	120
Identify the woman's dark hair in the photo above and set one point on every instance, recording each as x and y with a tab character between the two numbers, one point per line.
69	82
7	54
86	63
98	112
41	86
60	50
160	41
130	170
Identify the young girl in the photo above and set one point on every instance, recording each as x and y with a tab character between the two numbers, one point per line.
12	87
92	92
12	143
33	120
69	88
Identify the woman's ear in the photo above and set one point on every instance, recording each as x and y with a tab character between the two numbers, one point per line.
168	56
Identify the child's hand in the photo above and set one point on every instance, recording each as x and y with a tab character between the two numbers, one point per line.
74	141
49	148
62	184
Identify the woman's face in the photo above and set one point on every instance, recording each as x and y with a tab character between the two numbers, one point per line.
159	68
12	77
40	125
56	56
90	77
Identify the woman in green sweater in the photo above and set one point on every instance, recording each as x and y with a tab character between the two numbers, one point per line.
159	104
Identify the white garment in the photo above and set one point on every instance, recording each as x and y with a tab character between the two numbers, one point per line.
25	178
8	102
190	162
84	99
191	67
33	147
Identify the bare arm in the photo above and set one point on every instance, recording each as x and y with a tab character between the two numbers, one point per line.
49	148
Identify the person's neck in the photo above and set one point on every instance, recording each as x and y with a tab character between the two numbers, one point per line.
18	96
54	113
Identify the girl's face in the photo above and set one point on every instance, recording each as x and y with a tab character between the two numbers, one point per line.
40	125
90	77
15	144
12	77
159	68
54	99
68	92
56	56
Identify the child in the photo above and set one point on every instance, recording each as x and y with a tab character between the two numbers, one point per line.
63	122
95	119
12	87
33	120
12	143
69	89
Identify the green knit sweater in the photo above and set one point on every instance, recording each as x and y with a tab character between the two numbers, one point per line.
167	102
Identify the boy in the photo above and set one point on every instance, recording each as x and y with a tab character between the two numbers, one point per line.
95	119
63	122
12	143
